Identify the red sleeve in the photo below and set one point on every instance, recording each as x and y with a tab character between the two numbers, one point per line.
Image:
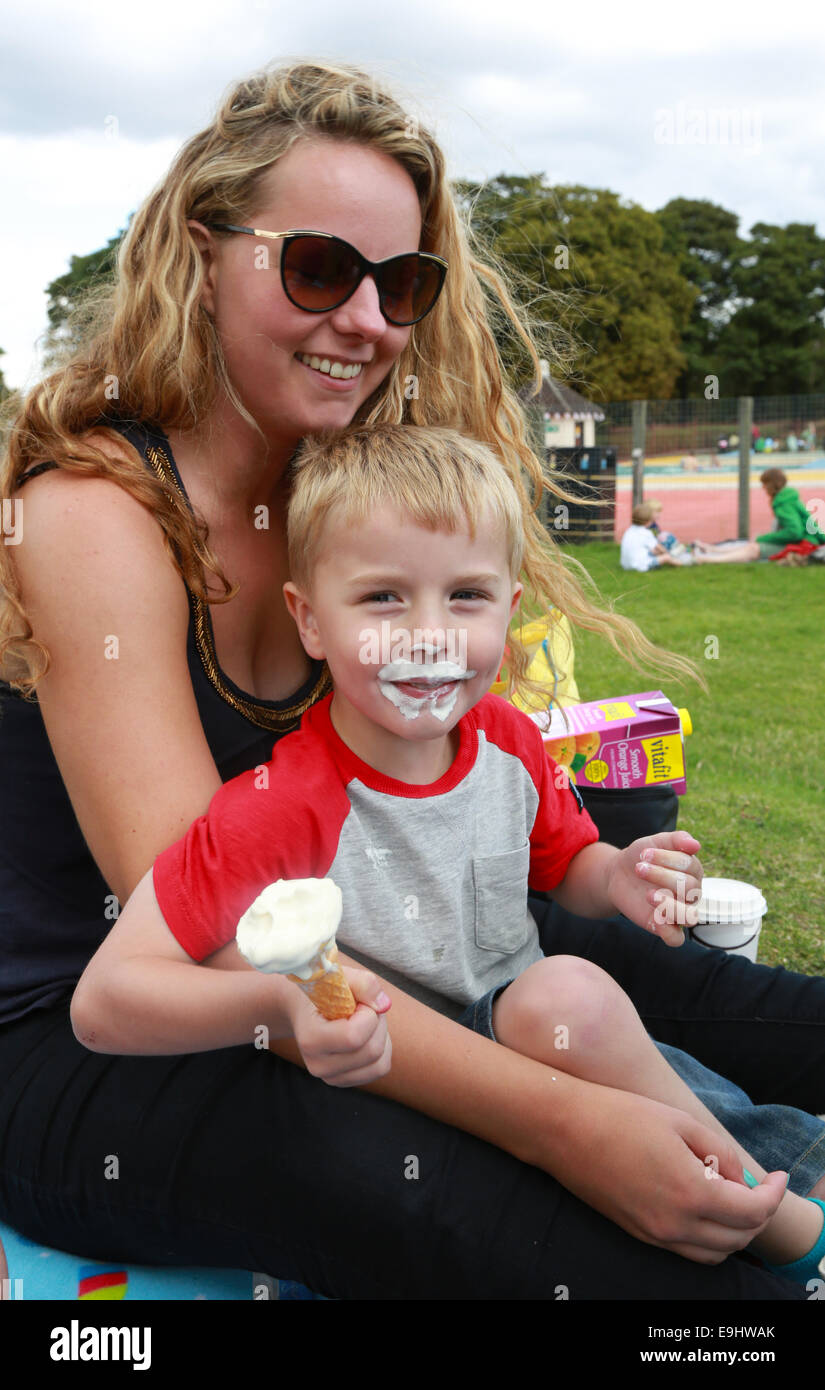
282	820
562	826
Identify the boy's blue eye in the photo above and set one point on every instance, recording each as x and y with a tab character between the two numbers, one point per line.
390	594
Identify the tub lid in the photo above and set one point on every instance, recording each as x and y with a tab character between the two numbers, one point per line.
728	900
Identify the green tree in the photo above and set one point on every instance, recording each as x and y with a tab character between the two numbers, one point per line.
597	265
68	293
704	239
774	344
10	402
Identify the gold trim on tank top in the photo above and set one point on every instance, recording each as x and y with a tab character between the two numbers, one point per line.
261	715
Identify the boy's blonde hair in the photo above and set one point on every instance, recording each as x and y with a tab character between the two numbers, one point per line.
644	513
437	477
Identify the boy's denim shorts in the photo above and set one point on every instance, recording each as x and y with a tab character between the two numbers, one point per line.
479	1016
778	1136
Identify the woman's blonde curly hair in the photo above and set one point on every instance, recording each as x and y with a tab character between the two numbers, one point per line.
156	340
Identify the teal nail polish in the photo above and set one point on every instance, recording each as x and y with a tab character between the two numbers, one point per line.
750	1179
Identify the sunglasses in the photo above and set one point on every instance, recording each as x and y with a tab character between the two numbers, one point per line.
320	271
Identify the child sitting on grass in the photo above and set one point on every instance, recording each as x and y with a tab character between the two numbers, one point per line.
643	549
430	802
794	524
675	549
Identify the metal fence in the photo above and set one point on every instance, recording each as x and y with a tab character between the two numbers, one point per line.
702	459
695	428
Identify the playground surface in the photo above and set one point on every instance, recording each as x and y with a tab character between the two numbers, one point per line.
704	505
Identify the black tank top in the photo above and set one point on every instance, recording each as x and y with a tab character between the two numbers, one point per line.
55	906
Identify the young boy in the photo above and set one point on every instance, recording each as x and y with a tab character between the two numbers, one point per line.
675	549
642	549
431	803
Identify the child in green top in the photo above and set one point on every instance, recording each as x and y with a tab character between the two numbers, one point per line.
793	523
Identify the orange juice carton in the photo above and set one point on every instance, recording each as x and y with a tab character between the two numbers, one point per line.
627	741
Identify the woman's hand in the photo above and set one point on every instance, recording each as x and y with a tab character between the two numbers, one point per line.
662	1176
346	1051
657	883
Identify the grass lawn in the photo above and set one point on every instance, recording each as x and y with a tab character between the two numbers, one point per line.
756	758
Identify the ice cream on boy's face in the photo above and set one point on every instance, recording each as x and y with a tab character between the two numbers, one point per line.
391	573
428	684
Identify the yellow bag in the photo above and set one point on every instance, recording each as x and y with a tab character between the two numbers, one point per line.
549	643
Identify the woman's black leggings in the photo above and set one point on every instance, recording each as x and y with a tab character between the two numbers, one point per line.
238	1159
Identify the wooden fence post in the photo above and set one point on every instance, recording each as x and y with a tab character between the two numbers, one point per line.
745	441
639	421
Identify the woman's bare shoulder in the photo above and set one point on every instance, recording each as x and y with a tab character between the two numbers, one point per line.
48	475
90	528
64	496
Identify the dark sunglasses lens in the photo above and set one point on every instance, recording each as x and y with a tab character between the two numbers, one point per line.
318	272
409	288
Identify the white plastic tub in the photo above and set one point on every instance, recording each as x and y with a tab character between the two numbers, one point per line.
730	916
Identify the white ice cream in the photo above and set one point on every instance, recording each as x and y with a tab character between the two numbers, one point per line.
289	923
435	673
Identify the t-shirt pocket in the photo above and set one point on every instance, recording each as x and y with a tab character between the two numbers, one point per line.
500	881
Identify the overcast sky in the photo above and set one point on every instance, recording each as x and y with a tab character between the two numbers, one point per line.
96	96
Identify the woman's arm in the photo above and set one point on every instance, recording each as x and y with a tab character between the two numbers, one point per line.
103	596
142	995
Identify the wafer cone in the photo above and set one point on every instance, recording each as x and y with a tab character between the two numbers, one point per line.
327	989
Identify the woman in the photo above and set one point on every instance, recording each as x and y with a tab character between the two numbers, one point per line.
232	1156
794	523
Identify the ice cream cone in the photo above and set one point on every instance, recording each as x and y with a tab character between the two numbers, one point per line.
327	988
290	930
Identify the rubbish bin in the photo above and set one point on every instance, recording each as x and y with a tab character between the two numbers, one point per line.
586	473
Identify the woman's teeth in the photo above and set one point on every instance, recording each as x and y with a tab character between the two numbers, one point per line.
330	367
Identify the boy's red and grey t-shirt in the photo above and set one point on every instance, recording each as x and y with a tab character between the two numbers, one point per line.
434	878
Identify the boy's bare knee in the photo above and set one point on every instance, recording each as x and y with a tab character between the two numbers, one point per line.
570	1001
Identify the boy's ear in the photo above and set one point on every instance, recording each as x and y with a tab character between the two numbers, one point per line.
301	610
518	590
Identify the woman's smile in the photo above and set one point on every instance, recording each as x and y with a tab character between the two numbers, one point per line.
337	369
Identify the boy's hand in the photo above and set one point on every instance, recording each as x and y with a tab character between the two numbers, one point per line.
345	1051
663	865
